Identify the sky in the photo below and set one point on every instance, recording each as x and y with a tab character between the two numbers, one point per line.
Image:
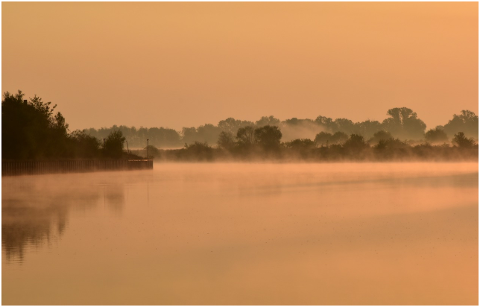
186	64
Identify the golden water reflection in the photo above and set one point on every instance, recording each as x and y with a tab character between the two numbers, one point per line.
35	211
367	233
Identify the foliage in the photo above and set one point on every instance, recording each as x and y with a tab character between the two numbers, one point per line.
196	152
391	148
301	144
462	141
436	135
232	125
403	123
325	138
30	129
355	143
267	121
378	136
246	137
226	140
466	122
113	145
268	137
84	145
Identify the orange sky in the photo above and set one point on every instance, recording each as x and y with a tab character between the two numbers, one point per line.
187	64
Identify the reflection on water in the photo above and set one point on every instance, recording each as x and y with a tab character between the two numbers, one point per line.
367	233
35	210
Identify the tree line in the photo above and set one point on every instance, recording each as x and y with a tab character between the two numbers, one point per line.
250	143
401	123
32	130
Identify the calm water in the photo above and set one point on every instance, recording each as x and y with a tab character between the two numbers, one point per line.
298	234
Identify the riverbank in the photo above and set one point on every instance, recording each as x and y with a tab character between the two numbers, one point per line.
199	152
35	167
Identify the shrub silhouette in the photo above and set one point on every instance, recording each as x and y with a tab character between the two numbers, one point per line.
113	146
246	137
325	138
30	130
355	142
84	145
196	152
436	136
462	141
268	137
226	140
378	136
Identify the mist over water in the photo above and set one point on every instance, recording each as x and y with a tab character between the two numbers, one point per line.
240	233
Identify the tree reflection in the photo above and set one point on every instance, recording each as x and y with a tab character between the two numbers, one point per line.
115	197
36	213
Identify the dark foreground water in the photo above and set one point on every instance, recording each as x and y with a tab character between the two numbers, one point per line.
385	233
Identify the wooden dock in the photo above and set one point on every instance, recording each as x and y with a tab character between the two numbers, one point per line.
31	167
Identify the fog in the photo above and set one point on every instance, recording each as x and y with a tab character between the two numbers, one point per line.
304	130
402	123
250	233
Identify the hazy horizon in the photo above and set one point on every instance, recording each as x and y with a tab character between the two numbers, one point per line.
256	119
300	161
186	64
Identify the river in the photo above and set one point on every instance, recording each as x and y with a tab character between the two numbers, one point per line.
260	233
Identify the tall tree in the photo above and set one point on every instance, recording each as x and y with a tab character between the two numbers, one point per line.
268	137
30	129
113	147
466	122
404	124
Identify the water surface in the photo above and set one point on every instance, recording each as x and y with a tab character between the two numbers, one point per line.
366	233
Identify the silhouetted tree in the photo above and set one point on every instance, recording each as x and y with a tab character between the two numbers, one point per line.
30	130
462	141
355	144
268	137
403	123
226	140
232	125
345	125
466	122
207	133
246	136
436	135
113	147
301	144
84	145
339	138
267	121
189	134
378	136
160	137
196	152
301	148
367	128
296	122
391	148
327	123
323	138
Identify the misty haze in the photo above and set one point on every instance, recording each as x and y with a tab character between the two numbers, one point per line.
383	233
313	153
